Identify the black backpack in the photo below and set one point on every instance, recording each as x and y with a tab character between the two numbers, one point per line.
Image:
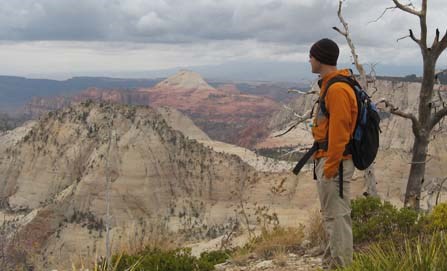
365	142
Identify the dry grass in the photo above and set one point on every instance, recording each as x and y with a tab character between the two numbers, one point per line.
274	244
137	238
280	258
149	236
315	232
241	258
277	240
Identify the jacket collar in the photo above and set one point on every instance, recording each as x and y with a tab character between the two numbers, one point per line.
327	77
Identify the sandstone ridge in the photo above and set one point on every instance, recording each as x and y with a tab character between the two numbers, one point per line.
56	170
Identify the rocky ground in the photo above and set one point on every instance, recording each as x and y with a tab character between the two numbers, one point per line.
286	263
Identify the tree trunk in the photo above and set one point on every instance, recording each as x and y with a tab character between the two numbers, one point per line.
370	182
421	134
417	172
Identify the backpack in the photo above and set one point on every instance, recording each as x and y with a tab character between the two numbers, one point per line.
365	142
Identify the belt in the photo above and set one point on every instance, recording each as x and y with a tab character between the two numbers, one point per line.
322	145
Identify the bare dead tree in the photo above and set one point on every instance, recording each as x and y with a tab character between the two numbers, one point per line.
345	33
369	175
427	118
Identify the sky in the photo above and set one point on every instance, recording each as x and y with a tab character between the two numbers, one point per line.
126	38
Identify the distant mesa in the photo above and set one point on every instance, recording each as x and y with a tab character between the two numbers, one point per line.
224	113
184	79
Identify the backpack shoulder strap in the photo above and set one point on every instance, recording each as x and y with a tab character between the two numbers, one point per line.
339	78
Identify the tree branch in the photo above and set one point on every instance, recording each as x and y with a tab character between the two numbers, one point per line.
437	117
381	15
413	37
442	45
301	119
395	111
444	39
436	40
423	24
422	14
339	31
286	107
345	33
407	8
373	79
438	90
297	91
298	149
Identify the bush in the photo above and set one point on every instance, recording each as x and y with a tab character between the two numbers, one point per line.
438	217
374	220
399	239
420	255
173	260
214	257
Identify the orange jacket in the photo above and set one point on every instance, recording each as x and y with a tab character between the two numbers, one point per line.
341	104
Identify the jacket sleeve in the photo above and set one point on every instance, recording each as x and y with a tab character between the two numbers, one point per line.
339	106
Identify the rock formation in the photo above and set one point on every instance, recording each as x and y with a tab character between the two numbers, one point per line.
224	114
55	171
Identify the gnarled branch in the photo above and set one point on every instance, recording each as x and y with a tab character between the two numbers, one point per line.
401	38
372	79
345	33
444	39
301	119
407	8
413	37
437	117
286	107
298	149
381	15
395	111
442	45
436	40
297	91
422	14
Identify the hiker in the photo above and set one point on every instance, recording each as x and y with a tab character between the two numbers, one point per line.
332	129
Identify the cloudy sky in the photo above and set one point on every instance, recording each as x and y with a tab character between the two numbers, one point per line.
60	38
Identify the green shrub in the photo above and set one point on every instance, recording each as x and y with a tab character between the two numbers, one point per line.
374	220
422	254
398	239
438	217
214	257
173	260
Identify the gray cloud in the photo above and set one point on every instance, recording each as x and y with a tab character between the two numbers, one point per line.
178	21
52	20
169	21
98	34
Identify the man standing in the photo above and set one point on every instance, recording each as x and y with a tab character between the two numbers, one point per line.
332	129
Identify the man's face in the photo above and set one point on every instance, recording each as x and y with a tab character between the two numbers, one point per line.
315	64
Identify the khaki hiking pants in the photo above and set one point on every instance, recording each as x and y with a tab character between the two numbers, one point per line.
336	213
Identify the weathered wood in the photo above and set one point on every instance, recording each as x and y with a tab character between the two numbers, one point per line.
369	176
